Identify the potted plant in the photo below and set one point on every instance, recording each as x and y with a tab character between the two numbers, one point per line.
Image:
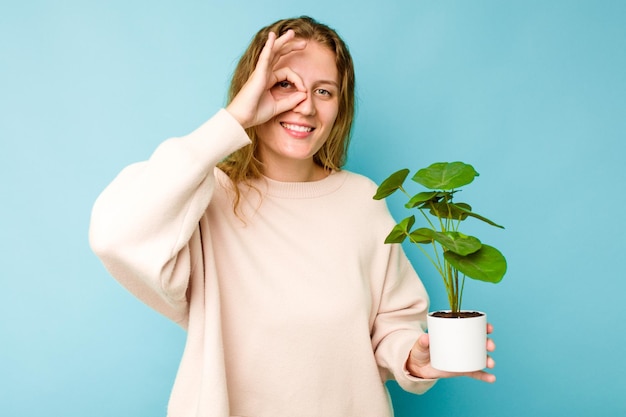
457	337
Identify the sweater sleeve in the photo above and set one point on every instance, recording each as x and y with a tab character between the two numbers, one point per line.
400	320
141	224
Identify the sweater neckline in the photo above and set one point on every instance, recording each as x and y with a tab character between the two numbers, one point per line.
308	189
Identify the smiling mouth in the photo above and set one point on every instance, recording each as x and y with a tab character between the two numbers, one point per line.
297	128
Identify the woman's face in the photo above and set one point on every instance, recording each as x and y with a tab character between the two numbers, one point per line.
296	135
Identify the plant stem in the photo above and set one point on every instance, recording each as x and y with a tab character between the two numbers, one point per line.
452	290
432	226
461	292
457	295
437	264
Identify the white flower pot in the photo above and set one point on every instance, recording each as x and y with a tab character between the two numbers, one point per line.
458	344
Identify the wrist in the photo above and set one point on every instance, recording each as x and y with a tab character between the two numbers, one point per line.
232	110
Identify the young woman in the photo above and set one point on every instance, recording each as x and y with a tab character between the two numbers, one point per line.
248	234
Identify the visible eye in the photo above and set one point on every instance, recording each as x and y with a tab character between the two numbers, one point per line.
284	84
323	92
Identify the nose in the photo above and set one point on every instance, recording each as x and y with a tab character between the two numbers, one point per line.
306	106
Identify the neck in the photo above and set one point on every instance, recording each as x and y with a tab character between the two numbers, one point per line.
295	171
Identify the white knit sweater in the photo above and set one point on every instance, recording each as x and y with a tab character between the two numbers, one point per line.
295	308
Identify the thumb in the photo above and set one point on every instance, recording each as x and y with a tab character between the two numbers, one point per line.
420	354
424	341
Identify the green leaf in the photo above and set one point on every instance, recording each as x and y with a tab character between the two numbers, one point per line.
456	211
423	197
458	243
451	241
445	175
400	230
486	264
422	235
391	184
445	210
468	210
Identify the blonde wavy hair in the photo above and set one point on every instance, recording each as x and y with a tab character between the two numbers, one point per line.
243	165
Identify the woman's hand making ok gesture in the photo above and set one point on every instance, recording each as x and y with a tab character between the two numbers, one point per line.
255	104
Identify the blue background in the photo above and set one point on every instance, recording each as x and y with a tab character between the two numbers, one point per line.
532	93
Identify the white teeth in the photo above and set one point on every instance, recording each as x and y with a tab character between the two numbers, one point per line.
296	127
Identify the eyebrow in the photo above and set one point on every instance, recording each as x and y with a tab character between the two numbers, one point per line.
331	82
